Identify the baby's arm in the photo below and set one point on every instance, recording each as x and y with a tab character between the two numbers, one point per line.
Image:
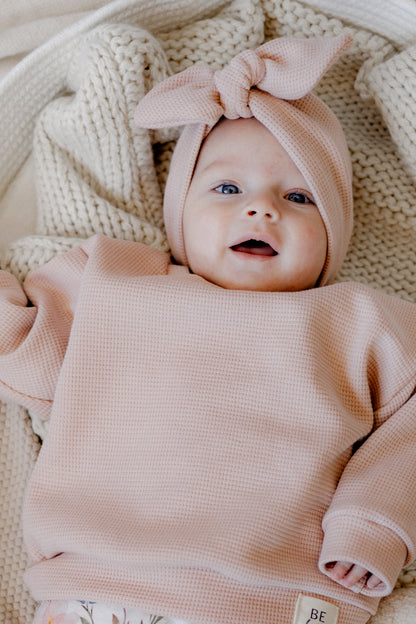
371	520
348	574
35	322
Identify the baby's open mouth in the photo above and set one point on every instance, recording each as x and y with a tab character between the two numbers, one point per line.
255	247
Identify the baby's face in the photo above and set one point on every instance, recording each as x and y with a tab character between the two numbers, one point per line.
250	221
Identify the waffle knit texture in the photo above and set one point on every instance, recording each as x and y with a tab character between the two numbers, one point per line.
97	172
230	471
271	84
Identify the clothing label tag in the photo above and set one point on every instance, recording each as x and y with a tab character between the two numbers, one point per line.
311	610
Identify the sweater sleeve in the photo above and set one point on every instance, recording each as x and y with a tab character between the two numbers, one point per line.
372	518
35	323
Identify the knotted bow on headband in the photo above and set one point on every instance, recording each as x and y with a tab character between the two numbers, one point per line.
272	84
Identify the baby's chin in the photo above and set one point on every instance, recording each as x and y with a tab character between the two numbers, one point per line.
261	286
232	283
267	281
256	276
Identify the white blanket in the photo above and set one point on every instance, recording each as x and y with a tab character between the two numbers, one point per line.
87	168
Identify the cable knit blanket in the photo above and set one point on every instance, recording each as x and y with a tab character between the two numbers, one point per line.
68	107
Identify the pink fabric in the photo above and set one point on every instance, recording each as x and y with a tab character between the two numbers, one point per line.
273	84
198	463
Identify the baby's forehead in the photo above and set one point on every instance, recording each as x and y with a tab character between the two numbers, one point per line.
243	128
240	138
242	149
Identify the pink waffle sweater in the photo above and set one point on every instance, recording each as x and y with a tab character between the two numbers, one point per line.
199	459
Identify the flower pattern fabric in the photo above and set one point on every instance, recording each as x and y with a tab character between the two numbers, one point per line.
81	612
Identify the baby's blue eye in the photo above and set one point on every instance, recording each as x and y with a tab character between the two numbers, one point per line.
299	198
227	189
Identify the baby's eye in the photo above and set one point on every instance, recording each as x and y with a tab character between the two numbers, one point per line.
299	198
227	189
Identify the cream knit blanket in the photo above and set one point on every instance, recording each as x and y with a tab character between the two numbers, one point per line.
96	172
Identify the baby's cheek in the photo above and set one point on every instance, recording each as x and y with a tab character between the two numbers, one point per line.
315	241
200	258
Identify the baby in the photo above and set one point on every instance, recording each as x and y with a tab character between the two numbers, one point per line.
227	431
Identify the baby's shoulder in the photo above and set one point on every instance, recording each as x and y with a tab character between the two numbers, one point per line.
368	299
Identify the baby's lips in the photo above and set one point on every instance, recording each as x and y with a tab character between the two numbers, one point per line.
256	244
254	247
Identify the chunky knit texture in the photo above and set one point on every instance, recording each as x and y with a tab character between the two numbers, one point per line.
86	185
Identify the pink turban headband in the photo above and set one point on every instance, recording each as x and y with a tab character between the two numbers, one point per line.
272	84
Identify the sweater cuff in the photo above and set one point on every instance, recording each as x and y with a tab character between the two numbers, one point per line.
372	546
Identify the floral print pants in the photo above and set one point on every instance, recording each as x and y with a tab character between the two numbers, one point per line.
80	612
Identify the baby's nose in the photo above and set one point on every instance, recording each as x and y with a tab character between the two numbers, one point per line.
260	213
265	210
